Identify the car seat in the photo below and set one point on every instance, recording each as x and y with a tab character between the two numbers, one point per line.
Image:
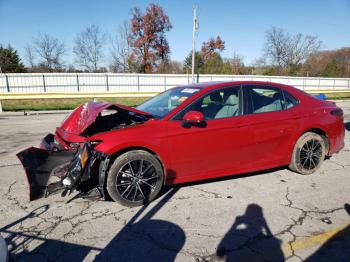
231	106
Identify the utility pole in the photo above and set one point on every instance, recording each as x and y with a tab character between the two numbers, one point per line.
195	28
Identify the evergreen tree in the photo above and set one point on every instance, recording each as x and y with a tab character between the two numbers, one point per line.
198	63
10	61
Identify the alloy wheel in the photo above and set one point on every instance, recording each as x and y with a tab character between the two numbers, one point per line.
136	180
310	154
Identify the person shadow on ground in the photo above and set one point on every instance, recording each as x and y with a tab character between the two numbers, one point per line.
250	239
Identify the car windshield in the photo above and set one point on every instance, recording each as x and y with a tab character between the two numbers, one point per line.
163	103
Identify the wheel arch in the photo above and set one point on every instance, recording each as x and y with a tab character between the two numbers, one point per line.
322	133
119	152
131	148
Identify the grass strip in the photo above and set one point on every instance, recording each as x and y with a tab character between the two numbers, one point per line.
62	104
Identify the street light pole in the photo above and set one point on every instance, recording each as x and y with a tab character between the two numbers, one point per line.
195	28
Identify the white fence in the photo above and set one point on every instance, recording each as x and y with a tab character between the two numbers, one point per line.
110	82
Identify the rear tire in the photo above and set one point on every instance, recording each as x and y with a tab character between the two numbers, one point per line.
135	178
308	154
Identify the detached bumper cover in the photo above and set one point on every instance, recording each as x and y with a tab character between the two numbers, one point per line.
42	166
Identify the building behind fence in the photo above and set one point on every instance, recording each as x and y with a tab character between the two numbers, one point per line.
126	83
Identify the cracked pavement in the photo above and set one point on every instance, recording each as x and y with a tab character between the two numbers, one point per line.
267	216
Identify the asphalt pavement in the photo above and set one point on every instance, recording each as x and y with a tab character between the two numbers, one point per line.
266	216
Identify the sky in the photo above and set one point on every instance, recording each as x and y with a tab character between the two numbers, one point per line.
241	24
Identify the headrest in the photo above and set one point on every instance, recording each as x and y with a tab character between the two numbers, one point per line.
232	99
216	97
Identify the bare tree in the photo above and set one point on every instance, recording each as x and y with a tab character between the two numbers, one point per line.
121	49
287	50
88	47
30	55
49	49
236	63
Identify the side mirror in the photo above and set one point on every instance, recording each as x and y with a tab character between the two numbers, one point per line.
193	118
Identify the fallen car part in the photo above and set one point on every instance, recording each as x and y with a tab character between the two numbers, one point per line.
50	171
41	166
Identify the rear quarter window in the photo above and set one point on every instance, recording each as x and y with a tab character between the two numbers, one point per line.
289	100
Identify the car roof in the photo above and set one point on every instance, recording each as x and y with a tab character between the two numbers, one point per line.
208	86
203	84
219	84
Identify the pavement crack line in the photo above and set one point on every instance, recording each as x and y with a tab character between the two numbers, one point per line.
11	198
216	195
299	222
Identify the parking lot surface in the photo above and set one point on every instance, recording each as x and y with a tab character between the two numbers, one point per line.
267	216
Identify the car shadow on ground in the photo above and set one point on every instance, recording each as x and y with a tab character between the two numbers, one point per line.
337	248
145	238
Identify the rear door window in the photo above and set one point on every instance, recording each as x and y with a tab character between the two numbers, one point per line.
261	99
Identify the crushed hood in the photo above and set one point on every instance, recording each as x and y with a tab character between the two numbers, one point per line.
85	115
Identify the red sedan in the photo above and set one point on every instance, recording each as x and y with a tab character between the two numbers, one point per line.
187	133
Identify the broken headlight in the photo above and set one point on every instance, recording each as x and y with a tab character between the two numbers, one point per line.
78	166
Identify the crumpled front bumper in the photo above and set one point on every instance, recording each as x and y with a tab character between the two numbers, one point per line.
44	170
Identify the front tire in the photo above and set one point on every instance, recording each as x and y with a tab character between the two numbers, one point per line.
135	178
308	154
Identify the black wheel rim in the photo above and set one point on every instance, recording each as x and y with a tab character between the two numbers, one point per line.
136	180
310	154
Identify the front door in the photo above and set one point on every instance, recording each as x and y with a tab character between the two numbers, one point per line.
222	144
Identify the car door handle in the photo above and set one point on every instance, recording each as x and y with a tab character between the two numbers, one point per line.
241	124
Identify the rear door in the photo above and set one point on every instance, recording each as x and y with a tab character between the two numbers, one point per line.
273	122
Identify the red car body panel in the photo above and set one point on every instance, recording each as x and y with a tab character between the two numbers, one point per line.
225	146
82	117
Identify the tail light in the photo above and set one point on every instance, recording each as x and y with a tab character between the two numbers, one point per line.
337	112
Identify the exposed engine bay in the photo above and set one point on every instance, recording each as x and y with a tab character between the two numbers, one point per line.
112	119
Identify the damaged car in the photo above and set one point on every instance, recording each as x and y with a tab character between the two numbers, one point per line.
187	133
